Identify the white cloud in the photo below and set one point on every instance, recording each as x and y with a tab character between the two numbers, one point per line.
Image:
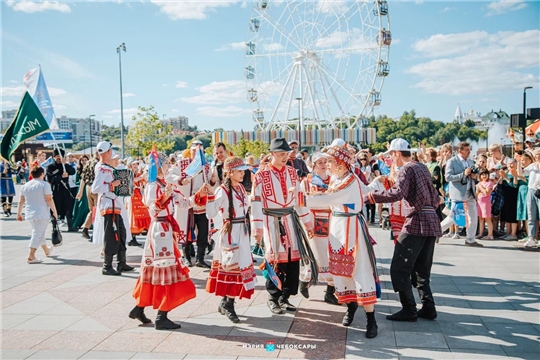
8	105
504	6
338	6
196	10
174	110
126	95
219	92
128	113
33	7
181	84
18	91
165	85
273	47
13	81
232	46
447	9
244	4
478	62
228	111
418	2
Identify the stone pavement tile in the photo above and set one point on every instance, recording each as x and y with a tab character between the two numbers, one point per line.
69	340
512	329
204	357
142	342
6	285
49	322
37	285
490	305
24	339
16	354
93	355
520	353
458	327
10	321
508	316
479	342
150	356
368	352
445	289
57	354
188	343
305	350
65	295
14	297
495	354
248	346
420	339
385	337
263	313
409	353
87	323
219	326
37	304
261	328
478	289
422	325
112	322
63	309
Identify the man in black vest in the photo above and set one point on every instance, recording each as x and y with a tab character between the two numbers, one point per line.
57	175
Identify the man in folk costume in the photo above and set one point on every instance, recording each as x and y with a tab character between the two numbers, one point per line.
139	219
351	257
217	178
110	208
416	243
164	282
317	183
276	212
232	274
58	176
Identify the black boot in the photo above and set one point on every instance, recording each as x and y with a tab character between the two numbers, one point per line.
138	313
163	323
122	266
284	303
210	247
221	305
9	209
408	312
85	233
304	289
4	207
134	241
200	258
273	305
349	315
187	254
428	310
107	266
229	311
69	222
371	327
329	296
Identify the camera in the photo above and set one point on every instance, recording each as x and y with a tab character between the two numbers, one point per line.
474	170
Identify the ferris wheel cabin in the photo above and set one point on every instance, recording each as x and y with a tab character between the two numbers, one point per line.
375	98
383	69
384	37
250	48
381	8
254	25
258	116
250	72
263	4
252	95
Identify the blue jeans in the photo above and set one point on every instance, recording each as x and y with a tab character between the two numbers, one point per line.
533	213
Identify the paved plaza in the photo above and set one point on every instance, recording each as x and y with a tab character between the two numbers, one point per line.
488	301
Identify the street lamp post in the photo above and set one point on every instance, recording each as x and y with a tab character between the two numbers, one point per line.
90	129
119	51
525	112
299	123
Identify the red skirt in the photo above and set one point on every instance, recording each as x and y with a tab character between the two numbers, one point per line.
164	297
140	218
228	283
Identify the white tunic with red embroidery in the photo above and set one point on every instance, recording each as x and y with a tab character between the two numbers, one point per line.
176	176
278	189
232	272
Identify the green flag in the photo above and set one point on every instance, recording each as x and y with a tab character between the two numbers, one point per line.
28	122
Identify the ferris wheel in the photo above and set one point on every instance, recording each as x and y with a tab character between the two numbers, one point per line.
316	63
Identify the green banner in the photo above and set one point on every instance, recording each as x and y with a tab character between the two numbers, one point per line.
28	122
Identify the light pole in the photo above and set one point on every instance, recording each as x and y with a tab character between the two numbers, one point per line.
119	51
90	121
525	112
299	123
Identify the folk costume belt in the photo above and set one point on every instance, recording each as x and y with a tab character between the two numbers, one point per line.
306	254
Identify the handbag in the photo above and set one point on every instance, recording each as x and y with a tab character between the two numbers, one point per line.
537	193
56	234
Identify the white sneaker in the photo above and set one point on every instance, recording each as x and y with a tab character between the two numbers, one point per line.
456	236
523	241
530	243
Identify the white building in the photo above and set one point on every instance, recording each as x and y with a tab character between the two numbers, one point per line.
481	122
82	128
178	123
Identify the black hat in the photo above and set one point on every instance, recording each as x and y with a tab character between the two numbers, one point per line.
279	145
56	153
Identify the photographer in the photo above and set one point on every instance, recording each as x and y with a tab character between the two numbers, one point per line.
461	174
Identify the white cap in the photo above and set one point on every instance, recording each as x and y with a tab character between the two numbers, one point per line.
293	142
115	155
531	140
70	154
399	145
338	142
103	147
195	143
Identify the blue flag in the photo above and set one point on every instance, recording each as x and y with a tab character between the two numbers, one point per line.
383	168
37	88
153	165
460	216
197	163
318	181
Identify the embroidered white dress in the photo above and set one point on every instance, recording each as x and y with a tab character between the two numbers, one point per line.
349	249
232	272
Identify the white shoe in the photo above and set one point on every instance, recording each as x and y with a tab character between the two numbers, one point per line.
448	235
34	261
523	241
530	243
49	253
456	236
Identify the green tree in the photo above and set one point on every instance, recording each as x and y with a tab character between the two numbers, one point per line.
109	133
148	130
81	146
469	123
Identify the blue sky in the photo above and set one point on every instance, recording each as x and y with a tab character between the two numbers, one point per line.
186	58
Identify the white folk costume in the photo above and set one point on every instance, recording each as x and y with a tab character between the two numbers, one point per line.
321	220
111	229
176	176
232	272
277	214
164	282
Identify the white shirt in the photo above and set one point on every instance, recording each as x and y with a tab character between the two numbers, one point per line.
71	178
36	207
533	171
465	164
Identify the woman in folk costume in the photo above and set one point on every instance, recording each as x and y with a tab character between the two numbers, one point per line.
163	282
398	208
317	183
139	219
352	259
232	274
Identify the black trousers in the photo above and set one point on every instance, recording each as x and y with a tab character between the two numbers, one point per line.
370	212
289	274
201	224
413	254
63	201
114	245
